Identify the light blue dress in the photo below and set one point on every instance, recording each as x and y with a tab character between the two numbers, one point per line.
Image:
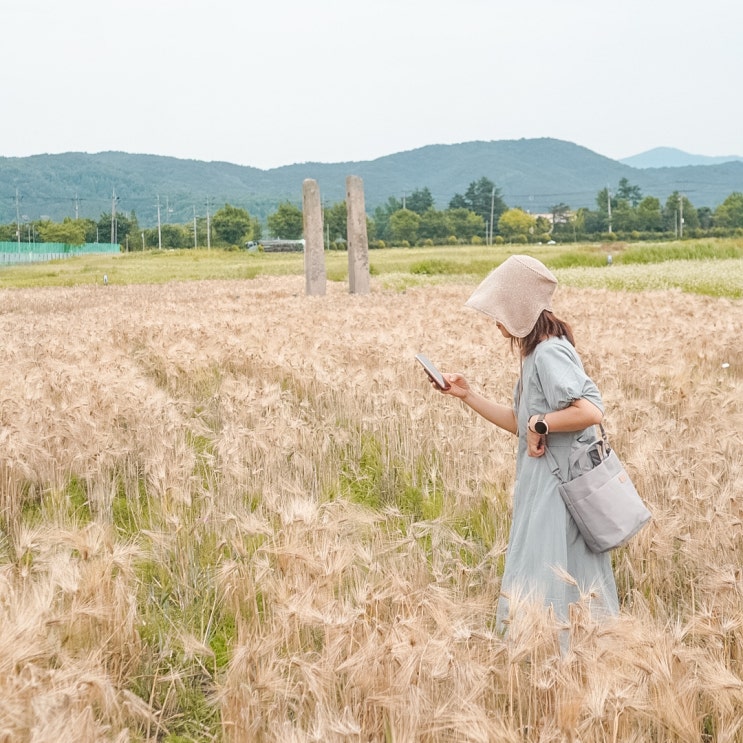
543	534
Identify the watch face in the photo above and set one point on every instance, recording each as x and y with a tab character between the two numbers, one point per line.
540	427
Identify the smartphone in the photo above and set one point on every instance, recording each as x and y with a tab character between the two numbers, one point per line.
433	373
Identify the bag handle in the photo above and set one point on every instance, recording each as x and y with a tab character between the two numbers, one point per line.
555	467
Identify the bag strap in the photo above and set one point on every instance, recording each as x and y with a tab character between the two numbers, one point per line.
553	464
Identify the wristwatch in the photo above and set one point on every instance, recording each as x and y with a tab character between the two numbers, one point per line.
540	425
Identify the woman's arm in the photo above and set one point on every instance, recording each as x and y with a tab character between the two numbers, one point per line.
578	415
502	416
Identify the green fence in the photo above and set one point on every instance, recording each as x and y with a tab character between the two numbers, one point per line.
26	252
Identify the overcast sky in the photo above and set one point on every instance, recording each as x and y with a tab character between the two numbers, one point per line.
283	81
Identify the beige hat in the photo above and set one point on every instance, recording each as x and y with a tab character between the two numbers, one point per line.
515	294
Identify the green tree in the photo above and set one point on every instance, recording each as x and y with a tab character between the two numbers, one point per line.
678	207
336	222
631	194
91	230
122	224
649	215
542	226
590	222
482	197
690	214
382	216
514	222
434	225
464	224
8	232
623	216
705	216
603	198
404	226
392	205
599	221
232	225
286	222
419	201
371	229
70	231
176	236
730	213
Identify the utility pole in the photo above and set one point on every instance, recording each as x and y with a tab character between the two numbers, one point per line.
18	219
195	238
159	227
208	227
608	205
113	216
492	213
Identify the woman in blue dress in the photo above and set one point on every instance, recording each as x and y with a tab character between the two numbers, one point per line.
555	405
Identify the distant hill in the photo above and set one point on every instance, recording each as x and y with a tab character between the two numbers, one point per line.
669	157
534	174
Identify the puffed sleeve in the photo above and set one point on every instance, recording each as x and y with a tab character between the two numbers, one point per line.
561	375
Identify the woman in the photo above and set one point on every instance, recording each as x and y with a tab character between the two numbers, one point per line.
556	405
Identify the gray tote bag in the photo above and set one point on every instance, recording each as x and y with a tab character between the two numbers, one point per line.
602	499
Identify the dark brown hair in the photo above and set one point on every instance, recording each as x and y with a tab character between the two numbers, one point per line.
547	326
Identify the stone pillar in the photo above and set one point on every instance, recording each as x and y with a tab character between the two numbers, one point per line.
358	243
314	251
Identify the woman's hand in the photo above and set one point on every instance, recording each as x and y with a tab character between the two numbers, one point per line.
535	443
458	386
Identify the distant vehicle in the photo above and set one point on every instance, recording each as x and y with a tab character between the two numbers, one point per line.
551	242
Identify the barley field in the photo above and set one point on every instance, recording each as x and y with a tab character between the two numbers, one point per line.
232	512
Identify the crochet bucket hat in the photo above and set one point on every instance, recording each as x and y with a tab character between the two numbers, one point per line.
515	294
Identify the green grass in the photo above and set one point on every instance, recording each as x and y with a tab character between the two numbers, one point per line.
152	267
714	278
377	481
682	251
399	268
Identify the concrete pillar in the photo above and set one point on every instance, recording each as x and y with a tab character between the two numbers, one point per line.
314	251
358	243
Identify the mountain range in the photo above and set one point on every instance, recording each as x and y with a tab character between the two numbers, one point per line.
670	157
533	174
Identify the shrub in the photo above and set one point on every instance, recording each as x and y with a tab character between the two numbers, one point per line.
432	267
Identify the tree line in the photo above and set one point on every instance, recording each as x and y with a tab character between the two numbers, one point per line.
480	215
